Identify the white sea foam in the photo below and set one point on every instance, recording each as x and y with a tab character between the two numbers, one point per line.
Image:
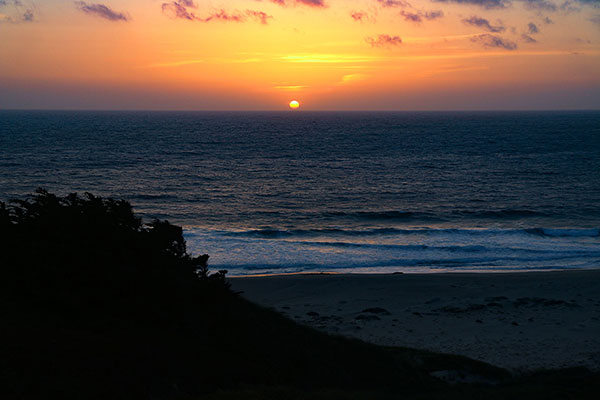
385	250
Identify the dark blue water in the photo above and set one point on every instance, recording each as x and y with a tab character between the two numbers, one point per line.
375	192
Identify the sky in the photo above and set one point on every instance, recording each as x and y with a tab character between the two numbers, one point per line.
327	54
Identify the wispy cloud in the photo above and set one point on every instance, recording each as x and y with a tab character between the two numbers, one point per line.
208	60
310	3
384	41
320	58
20	13
532	28
260	16
593	3
102	11
435	14
419	16
359	16
394	3
483	23
540	5
184	9
174	64
291	88
411	16
487	4
351	78
489	40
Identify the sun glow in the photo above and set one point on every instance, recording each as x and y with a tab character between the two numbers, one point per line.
294	104
354	55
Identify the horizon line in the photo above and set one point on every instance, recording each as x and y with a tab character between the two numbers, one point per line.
300	111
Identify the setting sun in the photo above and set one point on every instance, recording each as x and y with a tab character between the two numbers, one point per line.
294	104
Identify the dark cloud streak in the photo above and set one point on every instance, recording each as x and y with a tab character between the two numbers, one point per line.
410	16
487	4
593	3
102	11
310	3
483	23
532	28
528	39
180	9
489	40
394	3
384	41
359	16
540	5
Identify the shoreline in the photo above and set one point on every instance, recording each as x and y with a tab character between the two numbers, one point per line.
458	272
515	320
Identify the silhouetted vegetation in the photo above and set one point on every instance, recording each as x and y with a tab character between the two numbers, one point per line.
98	305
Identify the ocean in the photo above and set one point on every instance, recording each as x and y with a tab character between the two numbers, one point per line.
281	192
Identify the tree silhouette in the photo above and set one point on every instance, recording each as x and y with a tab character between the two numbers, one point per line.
86	253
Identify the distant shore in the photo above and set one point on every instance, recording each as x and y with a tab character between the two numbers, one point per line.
520	321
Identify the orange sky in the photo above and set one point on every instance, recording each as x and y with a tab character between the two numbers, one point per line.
328	54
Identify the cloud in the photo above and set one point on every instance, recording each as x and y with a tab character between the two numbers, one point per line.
19	14
260	16
222	15
310	3
183	9
179	9
483	23
28	16
435	14
528	39
541	5
359	16
487	4
569	6
593	3
419	16
384	41
488	40
394	3
290	87
102	11
351	78
410	16
532	28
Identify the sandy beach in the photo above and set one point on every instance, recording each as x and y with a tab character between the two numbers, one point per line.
520	321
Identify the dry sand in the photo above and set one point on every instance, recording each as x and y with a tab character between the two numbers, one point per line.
521	321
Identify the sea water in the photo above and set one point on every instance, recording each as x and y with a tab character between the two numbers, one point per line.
349	192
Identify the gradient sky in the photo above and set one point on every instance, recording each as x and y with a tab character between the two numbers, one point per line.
328	54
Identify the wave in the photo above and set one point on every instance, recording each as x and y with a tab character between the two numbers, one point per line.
271	233
391	215
380	215
454	248
552	232
418	249
487	263
148	196
507	213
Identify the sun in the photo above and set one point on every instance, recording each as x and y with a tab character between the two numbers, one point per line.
294	104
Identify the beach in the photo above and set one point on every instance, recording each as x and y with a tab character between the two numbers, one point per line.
519	321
